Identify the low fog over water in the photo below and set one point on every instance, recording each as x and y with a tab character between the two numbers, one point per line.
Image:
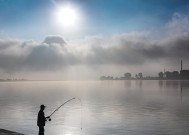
108	107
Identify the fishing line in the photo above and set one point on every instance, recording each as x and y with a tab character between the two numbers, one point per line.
81	122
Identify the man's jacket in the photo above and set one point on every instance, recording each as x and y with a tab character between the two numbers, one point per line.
41	118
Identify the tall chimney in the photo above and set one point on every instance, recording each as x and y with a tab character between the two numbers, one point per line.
181	66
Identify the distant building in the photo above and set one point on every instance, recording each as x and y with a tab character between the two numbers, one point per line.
184	74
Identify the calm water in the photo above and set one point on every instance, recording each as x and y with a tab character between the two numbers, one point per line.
108	107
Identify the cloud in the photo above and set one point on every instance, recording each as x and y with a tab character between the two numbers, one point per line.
178	26
127	51
135	49
4	44
53	40
17	55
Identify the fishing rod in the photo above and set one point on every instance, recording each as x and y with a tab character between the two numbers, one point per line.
49	117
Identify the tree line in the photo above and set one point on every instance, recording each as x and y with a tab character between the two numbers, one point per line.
128	76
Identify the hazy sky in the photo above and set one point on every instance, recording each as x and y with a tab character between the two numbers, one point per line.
93	37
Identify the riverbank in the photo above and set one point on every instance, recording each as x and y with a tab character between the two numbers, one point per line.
6	132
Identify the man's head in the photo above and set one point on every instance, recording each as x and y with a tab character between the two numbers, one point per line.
42	107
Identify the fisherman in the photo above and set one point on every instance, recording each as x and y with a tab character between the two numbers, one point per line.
41	119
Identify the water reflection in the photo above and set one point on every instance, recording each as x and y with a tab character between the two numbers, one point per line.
161	84
177	86
128	83
139	83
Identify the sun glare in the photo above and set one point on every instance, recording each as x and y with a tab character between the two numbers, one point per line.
67	16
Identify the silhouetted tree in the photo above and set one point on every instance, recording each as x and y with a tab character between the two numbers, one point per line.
160	75
168	74
106	78
136	76
140	75
172	75
103	78
175	74
127	75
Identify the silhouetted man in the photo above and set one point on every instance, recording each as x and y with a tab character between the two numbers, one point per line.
41	119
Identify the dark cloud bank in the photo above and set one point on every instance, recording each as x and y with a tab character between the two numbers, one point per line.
128	49
15	55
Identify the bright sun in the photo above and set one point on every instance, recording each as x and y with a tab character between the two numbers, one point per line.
67	16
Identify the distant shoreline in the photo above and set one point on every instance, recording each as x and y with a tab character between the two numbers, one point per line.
145	79
7	132
93	80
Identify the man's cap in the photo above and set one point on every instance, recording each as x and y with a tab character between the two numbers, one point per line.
42	106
